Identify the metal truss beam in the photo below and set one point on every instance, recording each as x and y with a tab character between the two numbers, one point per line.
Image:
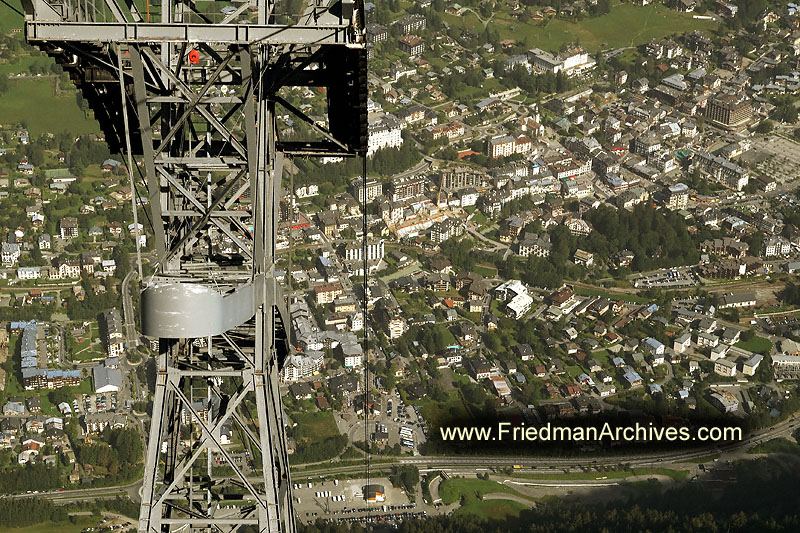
203	133
142	33
201	178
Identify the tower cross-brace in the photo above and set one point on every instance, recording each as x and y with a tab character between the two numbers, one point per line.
200	94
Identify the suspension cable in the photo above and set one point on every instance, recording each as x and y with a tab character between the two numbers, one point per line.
367	440
134	194
12	8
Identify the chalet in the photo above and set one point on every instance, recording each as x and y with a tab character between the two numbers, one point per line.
523	351
481	369
682	342
633	379
301	391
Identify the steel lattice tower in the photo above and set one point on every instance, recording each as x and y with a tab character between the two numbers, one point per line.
193	97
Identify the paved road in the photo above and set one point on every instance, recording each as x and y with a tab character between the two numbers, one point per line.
62	342
496	246
735	450
127	309
405	271
420	167
738	448
82	494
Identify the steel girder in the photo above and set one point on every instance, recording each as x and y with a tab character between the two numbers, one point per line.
214	195
204	138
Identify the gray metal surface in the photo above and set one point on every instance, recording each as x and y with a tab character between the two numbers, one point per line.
191	33
190	310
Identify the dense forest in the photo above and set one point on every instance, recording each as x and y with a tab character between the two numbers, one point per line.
36	476
791	294
333	176
30	511
546	83
119	449
659	238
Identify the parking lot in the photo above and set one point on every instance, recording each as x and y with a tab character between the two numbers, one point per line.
94	403
403	419
777	157
675	278
242	459
403	424
344	499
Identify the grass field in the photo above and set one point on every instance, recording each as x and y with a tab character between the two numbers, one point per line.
22	63
453	489
574	371
33	101
438	414
602	357
93	353
479	218
62	527
470	493
10	19
413	305
493	509
626	25
487	271
677	475
315	426
756	344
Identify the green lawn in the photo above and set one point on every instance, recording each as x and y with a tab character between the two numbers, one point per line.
62	527
602	357
779	445
94	353
470	493
453	489
317	426
493	509
486	271
10	19
90	349
677	475
756	344
574	371
34	102
438	414
626	25
479	218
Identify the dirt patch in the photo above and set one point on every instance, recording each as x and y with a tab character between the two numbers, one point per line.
446	379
